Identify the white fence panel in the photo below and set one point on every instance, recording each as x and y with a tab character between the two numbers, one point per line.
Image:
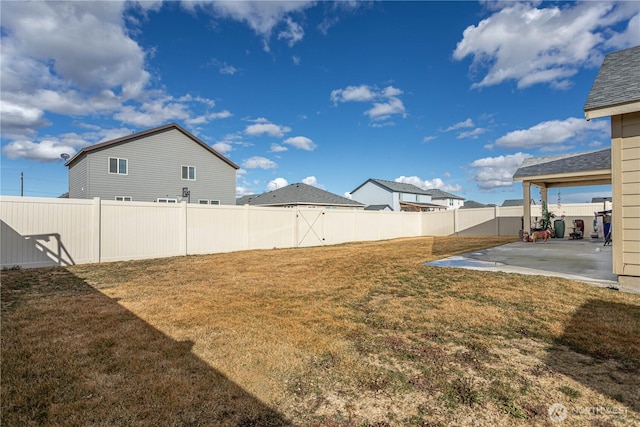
41	232
270	227
213	229
340	226
440	223
140	230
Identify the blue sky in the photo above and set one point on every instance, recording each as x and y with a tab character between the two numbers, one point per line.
450	95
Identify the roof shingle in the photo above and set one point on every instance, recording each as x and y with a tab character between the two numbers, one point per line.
618	81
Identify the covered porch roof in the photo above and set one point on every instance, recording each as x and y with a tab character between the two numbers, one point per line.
565	170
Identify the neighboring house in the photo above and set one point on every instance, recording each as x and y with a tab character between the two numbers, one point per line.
166	164
378	208
300	195
472	204
600	199
616	93
400	196
451	201
515	202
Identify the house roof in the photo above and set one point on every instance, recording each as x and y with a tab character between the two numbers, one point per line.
512	202
565	163
422	205
245	199
377	207
616	85
149	132
300	194
472	204
396	187
439	194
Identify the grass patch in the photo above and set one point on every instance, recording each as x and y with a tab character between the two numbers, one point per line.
349	335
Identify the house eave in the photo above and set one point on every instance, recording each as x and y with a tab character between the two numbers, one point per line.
612	110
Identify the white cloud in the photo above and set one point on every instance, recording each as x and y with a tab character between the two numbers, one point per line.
460	125
257	162
264	128
533	45
78	59
277	183
494	172
473	134
384	110
353	94
429	138
301	142
222	147
261	16
228	69
385	102
552	134
294	32
276	148
311	180
296	60
427	184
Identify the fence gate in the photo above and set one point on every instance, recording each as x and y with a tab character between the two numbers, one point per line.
310	223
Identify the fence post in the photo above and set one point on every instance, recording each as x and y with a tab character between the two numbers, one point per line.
184	232
95	229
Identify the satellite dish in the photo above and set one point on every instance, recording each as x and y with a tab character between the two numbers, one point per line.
65	156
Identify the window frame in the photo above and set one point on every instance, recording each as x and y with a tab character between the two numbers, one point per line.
203	201
167	200
123	199
214	202
118	160
188	168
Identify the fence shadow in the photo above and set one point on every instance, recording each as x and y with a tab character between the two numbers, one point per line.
73	356
600	348
34	248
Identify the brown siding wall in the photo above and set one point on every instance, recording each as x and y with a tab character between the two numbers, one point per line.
625	145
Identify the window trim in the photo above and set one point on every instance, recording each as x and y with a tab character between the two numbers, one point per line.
123	198
188	168
214	202
203	201
117	159
167	200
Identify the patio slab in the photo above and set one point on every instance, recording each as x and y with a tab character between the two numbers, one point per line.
586	260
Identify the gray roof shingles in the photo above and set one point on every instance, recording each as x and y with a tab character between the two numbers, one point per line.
300	194
403	187
618	80
564	163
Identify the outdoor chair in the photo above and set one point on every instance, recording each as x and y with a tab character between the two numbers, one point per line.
578	229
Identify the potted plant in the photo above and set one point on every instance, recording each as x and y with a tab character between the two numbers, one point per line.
547	217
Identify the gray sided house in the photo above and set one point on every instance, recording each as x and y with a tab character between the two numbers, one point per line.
398	195
301	196
166	164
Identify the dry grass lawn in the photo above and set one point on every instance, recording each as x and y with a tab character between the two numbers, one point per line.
351	335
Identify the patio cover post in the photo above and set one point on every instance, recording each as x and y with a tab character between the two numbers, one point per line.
526	203
543	195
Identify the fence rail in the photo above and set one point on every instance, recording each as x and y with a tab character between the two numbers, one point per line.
39	232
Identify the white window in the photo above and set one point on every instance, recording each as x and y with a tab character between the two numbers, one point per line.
118	166
123	198
189	173
203	201
450	202
166	200
215	202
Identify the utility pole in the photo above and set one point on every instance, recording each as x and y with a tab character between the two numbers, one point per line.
21	184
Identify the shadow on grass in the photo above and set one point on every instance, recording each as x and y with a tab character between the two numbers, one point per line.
73	356
600	348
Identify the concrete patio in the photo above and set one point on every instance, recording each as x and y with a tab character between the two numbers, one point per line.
586	260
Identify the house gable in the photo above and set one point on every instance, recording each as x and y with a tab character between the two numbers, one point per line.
154	161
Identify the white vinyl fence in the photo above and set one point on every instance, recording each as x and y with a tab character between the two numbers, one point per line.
39	232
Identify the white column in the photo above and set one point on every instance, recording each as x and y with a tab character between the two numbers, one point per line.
526	193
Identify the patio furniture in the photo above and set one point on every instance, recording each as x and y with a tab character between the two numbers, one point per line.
578	229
